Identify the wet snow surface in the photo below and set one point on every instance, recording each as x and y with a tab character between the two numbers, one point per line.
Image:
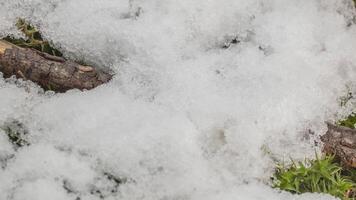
204	89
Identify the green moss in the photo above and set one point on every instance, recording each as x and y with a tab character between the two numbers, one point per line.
321	175
33	39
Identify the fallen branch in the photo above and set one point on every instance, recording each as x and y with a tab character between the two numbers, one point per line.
50	72
341	142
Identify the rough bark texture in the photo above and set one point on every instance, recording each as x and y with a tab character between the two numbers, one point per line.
341	142
50	72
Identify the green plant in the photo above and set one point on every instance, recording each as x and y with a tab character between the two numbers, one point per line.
321	175
350	121
33	39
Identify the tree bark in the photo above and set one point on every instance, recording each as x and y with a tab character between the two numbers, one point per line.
341	142
50	72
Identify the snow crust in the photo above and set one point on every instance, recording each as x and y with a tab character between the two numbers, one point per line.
189	115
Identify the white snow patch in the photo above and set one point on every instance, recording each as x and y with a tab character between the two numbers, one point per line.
184	117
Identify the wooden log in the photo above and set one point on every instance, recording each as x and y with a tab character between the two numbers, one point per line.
4	45
50	72
341	142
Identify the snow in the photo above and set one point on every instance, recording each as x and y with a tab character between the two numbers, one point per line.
183	117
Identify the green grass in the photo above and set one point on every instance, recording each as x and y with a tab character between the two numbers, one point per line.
321	175
350	121
33	39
